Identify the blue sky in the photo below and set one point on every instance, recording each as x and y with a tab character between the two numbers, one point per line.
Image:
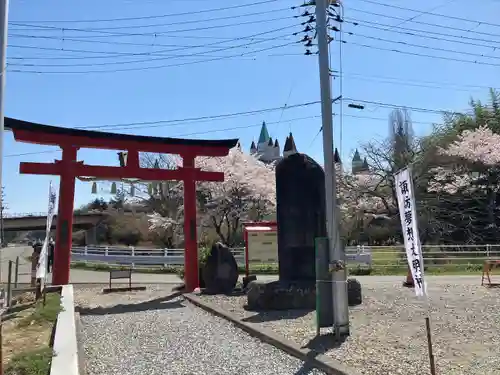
251	81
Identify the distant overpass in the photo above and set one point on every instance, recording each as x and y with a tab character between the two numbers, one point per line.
38	221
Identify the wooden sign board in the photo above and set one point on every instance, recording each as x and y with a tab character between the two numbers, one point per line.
120	274
262	245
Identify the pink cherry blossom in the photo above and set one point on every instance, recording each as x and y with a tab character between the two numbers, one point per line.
248	191
479	146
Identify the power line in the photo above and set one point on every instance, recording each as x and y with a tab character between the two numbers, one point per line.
426	23
191	134
185	121
353	75
107	54
432	14
422	13
462	37
413	32
114	34
208	55
152	16
149	45
392	105
233	128
36	27
239	55
422	46
191	119
149	67
416	83
159	58
421	54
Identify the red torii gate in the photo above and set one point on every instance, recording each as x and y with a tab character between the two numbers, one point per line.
69	168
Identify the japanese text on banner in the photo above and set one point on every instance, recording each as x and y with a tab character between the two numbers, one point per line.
409	226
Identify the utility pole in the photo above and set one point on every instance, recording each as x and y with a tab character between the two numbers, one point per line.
2	207
4	11
337	254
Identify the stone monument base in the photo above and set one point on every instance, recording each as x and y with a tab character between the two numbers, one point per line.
279	295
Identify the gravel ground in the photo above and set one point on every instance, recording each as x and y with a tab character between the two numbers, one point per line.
388	330
138	333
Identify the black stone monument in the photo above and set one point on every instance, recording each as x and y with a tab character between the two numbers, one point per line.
301	217
300	201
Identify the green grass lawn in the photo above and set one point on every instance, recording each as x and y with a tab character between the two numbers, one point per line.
272	269
27	338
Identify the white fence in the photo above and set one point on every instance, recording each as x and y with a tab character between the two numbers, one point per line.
174	257
377	256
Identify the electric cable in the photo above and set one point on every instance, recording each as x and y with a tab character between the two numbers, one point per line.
114	34
413	32
465	53
183	48
125	27
149	67
430	13
244	45
153	16
422	54
426	23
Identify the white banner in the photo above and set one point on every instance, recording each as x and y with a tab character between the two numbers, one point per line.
41	269
408	215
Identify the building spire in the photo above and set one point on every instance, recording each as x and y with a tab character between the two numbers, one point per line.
365	166
356	156
292	141
289	148
336	156
264	134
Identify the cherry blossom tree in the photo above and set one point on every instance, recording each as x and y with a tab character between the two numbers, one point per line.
471	179
248	192
473	162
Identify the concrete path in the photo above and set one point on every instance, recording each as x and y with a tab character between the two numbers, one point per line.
77	276
10	254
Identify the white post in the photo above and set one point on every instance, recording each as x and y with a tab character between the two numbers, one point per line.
4	19
337	254
106	251
165	254
133	255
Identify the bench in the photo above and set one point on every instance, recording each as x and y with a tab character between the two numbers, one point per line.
488	266
121	274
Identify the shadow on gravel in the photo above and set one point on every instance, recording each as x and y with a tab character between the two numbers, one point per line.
307	367
318	345
323	343
273	315
492	285
162	303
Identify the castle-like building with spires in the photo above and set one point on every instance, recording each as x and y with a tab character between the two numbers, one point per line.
359	166
268	151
